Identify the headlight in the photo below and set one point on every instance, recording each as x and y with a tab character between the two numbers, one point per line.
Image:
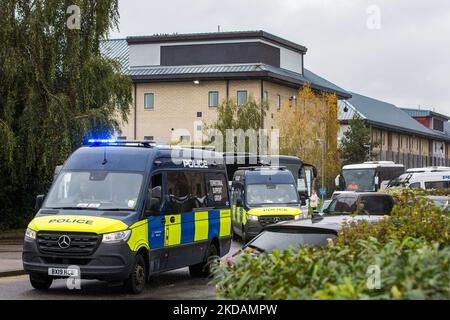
298	217
251	217
30	234
116	236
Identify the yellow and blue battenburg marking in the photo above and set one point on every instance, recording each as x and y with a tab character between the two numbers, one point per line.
171	230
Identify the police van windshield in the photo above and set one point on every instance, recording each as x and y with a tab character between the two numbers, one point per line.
98	190
260	194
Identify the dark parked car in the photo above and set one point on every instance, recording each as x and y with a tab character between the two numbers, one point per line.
288	234
364	203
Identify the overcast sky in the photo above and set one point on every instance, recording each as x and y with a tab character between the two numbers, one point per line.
403	58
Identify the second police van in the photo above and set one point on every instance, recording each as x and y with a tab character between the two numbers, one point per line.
123	211
262	196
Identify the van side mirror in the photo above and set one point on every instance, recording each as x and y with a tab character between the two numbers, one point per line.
337	181
153	201
239	202
39	202
152	205
303	200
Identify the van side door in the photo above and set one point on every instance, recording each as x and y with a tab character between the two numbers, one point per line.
156	225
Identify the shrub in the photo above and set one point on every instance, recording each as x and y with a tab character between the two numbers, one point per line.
410	247
410	269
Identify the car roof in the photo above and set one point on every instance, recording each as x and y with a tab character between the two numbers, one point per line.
358	194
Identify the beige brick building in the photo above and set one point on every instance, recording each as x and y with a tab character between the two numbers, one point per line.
400	137
179	80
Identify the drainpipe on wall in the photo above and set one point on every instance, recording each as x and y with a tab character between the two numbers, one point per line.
135	111
262	103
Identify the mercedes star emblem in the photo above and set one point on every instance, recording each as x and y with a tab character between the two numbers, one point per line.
64	242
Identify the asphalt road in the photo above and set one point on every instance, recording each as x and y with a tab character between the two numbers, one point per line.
173	285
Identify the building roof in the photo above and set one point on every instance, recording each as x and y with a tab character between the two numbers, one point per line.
385	115
233	35
415	113
118	50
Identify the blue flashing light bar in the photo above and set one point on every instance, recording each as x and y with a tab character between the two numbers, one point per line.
101	141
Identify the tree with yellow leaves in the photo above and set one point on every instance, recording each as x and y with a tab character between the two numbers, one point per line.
308	124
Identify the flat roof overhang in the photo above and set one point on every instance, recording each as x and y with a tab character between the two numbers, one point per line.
217	36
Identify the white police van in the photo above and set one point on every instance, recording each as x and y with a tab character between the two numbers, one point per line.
430	180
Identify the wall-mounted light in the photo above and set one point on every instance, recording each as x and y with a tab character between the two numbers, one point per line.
196	82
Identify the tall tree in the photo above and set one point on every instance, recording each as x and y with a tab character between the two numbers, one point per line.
55	89
230	116
356	145
310	125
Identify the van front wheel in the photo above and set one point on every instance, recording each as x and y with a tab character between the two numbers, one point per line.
135	284
40	282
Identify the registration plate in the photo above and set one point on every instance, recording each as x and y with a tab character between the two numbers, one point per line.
61	272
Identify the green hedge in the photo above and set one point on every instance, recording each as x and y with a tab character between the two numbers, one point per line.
410	248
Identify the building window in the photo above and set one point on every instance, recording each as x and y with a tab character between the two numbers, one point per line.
241	98
185	139
149	101
122	138
199	114
213	99
149	138
438	125
278	102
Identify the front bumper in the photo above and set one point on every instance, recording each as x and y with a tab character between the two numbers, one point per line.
110	262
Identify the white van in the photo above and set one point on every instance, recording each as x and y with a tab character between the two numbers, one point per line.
405	179
428	169
430	180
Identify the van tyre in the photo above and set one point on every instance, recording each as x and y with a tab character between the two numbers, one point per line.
245	238
135	284
203	270
40	282
234	235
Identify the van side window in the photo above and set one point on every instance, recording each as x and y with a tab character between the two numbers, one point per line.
178	188
217	190
186	191
156	186
198	189
437	185
415	185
